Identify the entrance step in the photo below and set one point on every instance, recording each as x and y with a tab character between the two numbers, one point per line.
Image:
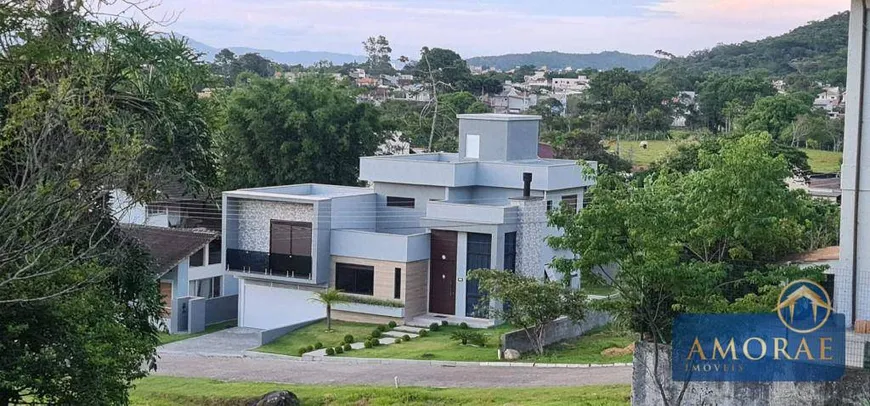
408	329
397	334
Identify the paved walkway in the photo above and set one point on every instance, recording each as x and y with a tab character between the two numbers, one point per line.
284	370
230	342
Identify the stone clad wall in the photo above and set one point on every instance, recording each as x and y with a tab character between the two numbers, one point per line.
853	389
560	330
532	220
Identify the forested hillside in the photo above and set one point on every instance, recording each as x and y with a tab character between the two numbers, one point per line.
815	52
559	60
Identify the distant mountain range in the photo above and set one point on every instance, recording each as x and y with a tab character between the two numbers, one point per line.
305	58
558	60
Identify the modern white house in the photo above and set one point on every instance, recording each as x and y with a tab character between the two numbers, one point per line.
401	248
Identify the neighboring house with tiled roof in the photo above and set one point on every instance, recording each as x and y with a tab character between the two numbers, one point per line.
189	266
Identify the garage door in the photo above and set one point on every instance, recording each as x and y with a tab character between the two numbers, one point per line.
274	306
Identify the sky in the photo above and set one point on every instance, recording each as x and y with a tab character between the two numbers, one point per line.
487	27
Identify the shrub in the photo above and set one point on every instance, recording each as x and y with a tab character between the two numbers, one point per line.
330	351
424	333
302	350
339	350
463	325
348	339
434	327
376	342
382	328
397	340
376	333
347	347
392	324
368	344
318	345
341	343
310	348
466	336
406	337
444	323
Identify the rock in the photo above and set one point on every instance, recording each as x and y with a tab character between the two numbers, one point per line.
278	398
511	354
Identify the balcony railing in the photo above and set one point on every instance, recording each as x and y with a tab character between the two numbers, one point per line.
264	263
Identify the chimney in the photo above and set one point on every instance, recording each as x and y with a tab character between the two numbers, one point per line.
527	184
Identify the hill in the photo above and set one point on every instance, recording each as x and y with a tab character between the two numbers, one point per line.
558	60
817	51
305	58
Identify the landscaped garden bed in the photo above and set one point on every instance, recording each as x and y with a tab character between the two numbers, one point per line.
315	333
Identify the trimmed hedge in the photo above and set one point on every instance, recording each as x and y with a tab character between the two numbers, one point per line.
392	324
347	347
330	351
348	339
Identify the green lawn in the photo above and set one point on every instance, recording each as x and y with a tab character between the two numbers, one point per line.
820	161
586	349
166	338
171	391
599	290
438	346
309	335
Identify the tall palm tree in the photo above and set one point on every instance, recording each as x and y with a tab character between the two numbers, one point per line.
329	297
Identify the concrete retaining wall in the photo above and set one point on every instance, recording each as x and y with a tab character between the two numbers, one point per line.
267	336
222	308
853	389
559	330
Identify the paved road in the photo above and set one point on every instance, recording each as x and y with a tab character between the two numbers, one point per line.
230	342
307	372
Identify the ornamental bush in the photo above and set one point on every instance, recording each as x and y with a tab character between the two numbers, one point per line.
302	350
339	350
368	344
424	333
318	345
444	323
310	348
376	342
348	339
463	325
392	324
382	328
376	333
330	351
434	327
347	347
406	337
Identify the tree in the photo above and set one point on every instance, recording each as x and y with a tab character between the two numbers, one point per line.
280	133
87	106
774	114
378	50
329	298
256	64
533	304
443	67
735	93
586	146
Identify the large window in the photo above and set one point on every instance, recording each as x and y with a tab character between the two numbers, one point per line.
570	201
290	249
356	279
479	248
510	251
214	251
405	202
196	258
207	288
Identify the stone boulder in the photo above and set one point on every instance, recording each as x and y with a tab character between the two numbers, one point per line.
511	354
278	398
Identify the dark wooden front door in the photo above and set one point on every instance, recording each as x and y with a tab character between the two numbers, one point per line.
442	272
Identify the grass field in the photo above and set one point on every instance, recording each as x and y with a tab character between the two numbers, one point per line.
171	391
820	161
166	338
309	335
586	349
437	346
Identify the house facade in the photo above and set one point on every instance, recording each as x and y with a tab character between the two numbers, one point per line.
401	248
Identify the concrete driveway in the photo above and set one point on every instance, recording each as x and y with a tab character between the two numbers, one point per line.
231	342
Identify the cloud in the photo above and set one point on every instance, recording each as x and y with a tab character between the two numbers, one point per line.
486	27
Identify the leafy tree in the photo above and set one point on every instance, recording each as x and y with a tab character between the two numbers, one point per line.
281	133
256	64
228	66
442	68
378	51
86	106
329	298
705	226
774	114
533	304
623	101
586	146
723	98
